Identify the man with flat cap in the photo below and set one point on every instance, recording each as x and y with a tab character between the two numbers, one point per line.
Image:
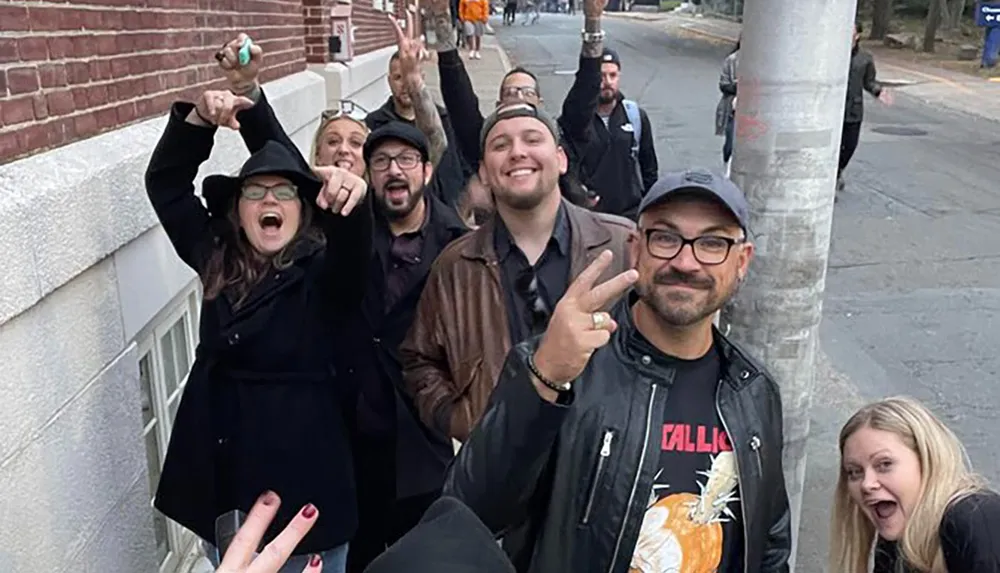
618	160
640	439
400	462
497	285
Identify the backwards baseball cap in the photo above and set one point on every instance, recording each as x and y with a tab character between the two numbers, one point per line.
609	56
512	110
397	131
700	181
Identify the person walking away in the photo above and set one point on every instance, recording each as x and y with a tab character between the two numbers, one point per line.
497	285
509	12
415	105
906	493
619	158
861	78
268	247
640	439
725	112
474	15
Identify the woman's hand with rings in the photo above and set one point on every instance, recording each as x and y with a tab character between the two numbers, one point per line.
220	108
578	326
342	190
239	558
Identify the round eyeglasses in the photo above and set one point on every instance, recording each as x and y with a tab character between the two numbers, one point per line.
707	249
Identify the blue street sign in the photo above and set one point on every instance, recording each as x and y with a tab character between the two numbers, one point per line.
988	14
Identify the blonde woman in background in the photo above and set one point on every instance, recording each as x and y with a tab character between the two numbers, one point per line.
906	489
340	138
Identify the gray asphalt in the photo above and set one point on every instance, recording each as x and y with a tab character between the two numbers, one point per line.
912	297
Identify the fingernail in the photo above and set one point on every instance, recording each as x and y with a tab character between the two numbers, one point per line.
268	498
315	561
309	511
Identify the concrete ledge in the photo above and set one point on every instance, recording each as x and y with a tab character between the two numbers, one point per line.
67	209
362	79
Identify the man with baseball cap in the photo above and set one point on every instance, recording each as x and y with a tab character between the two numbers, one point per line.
617	430
497	285
618	160
400	463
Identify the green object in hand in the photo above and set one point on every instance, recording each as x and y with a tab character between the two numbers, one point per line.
244	54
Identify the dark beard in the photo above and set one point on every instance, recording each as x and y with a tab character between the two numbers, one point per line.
394	213
607	99
682	311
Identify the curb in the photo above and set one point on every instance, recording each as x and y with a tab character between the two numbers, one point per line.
504	58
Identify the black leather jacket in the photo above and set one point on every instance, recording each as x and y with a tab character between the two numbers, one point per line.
532	471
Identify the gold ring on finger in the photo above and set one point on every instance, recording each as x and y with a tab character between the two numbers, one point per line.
599	320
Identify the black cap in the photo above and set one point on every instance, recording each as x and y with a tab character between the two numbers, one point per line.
398	131
517	109
271	159
700	181
610	56
448	539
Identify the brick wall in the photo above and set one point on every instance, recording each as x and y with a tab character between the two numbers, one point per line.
70	69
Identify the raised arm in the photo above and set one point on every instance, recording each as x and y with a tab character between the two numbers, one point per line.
581	102
427	119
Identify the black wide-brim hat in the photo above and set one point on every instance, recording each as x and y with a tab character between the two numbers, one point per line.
274	158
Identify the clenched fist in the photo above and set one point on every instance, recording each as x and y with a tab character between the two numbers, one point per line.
242	78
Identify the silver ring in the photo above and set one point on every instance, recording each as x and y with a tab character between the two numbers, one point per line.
599	320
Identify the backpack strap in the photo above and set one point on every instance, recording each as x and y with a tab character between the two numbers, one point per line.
634	118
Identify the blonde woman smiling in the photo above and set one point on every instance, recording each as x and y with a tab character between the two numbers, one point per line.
906	489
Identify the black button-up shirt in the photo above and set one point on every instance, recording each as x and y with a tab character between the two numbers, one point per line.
399	256
531	292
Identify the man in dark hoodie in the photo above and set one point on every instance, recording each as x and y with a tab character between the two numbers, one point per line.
861	78
451	173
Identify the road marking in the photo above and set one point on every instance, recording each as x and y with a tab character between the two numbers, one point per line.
564	72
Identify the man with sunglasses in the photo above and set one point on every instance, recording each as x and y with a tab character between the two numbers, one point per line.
496	286
400	464
640	439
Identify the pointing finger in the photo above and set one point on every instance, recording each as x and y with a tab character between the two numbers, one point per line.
586	279
610	290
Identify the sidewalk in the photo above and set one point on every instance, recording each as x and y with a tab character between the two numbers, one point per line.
485	74
941	88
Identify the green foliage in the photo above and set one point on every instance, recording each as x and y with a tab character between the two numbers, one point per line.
668	5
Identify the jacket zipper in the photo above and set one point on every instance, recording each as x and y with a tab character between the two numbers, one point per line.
755	446
739	481
638	476
609	436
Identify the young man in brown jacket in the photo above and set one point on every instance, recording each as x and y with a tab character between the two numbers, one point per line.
497	286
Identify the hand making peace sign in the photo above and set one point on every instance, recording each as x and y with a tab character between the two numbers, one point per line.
578	326
239	558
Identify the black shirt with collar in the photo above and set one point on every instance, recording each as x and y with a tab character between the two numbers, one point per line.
531	292
399	256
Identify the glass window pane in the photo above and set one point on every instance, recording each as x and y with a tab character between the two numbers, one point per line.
152	459
146	388
162	541
181	347
169	369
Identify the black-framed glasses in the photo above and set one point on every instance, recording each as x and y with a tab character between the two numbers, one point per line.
345	108
281	192
406	161
538	312
707	249
518	92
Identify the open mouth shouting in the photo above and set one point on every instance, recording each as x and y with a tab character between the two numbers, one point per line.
884	513
270	223
397	192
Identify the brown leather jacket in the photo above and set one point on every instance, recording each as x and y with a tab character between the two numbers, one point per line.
456	347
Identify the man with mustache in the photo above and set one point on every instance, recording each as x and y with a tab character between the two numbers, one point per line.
640	439
497	285
619	156
400	463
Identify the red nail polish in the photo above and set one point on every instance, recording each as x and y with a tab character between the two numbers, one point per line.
268	498
309	511
315	561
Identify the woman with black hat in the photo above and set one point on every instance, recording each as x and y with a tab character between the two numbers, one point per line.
281	254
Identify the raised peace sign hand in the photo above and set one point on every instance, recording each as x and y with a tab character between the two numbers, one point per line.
240	558
411	51
342	190
578	326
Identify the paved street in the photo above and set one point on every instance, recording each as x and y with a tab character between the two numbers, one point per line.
912	290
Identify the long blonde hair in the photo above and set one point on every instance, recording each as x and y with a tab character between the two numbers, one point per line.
945	478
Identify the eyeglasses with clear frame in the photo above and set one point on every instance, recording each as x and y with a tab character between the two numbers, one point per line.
707	249
281	192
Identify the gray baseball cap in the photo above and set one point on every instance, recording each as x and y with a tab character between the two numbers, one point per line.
703	181
519	109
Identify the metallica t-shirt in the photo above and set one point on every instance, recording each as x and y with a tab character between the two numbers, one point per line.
693	521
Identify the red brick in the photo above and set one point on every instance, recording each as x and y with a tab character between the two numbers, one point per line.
8	50
22	80
78	72
8	145
61	102
31	49
3	83
85	125
60	47
41	109
17	110
14	18
39	136
52	75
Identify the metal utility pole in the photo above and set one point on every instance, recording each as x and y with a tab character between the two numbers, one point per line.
790	110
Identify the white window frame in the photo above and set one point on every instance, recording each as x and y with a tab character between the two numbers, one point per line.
186	307
387	6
